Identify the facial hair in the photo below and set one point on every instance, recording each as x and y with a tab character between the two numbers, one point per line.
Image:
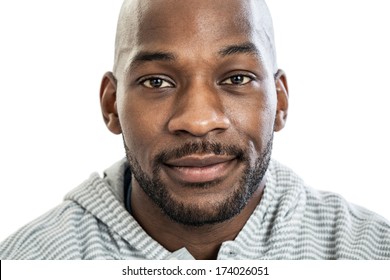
194	215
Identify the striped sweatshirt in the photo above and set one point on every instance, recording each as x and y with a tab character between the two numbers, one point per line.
292	221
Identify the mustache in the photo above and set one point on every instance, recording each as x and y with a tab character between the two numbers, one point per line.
204	147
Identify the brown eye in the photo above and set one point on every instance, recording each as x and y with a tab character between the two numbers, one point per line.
156	83
237	80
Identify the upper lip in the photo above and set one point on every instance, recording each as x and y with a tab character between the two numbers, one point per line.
199	160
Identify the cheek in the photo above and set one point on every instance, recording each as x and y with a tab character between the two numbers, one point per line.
141	128
254	120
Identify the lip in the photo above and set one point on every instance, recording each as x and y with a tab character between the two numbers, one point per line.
199	168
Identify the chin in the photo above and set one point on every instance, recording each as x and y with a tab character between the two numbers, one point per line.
205	209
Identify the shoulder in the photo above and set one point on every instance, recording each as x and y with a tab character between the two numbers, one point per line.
72	230
51	236
357	232
325	223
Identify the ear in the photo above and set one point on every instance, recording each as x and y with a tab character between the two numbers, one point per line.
282	98
108	103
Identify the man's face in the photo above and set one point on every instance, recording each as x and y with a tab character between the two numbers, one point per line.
196	103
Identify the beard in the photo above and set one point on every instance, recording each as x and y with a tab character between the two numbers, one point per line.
197	215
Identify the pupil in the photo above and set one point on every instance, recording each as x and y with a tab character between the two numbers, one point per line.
156	82
237	79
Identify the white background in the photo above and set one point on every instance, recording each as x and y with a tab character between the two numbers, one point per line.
54	53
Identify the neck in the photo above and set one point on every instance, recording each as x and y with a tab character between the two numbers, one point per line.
202	242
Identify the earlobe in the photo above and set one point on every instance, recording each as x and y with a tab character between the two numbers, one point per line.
282	99
108	103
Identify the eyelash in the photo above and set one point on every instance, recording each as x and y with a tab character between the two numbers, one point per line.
245	77
150	79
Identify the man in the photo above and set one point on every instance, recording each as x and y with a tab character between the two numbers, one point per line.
197	95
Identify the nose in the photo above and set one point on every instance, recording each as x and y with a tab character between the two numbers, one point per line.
198	112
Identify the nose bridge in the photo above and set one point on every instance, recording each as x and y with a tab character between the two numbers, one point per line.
198	110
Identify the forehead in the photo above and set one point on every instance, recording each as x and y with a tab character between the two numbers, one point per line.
164	19
188	27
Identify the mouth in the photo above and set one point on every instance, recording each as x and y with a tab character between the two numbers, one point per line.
200	168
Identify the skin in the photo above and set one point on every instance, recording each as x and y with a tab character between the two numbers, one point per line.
211	78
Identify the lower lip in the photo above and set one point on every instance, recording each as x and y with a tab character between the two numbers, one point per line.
200	174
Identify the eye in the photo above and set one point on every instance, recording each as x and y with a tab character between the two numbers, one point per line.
155	82
237	80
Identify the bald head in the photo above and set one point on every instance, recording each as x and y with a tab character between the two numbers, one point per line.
139	17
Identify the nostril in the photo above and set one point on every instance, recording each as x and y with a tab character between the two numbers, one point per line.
198	124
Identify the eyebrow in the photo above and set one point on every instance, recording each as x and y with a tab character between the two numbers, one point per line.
146	56
245	48
151	56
